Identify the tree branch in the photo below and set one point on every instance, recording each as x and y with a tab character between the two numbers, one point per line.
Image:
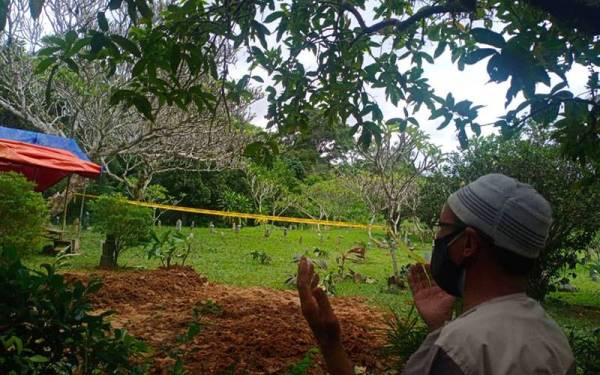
401	25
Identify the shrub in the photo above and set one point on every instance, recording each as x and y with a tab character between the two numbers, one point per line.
260	257
126	224
586	348
23	213
571	188
169	246
404	336
48	328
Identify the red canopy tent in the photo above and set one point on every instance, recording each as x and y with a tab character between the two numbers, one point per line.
43	165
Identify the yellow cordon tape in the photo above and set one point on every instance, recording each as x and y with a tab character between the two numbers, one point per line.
286	219
245	215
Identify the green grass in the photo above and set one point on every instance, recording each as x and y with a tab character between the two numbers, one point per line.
224	257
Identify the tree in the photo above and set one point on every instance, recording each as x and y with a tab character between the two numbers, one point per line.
393	167
333	55
124	225
23	213
319	144
571	189
82	103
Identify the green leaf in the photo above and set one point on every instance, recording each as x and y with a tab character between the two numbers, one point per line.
44	64
97	43
478	55
72	65
126	44
3	13
121	95
399	122
35	8
487	36
462	138
441	47
258	79
78	45
143	106
261	32
47	51
445	122
115	4
38	359
144	9
450	100
175	57
558	87
102	21
273	16
282	28
462	107
476	128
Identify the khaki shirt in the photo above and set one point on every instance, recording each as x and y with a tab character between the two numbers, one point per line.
509	335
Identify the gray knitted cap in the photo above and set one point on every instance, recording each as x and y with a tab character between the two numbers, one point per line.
513	214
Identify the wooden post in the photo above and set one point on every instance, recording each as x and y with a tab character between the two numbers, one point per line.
64	218
81	209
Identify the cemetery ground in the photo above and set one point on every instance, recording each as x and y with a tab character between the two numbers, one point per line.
231	311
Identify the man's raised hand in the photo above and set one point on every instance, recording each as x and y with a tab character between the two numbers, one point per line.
322	321
316	307
434	305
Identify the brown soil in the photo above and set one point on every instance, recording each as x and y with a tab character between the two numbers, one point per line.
258	331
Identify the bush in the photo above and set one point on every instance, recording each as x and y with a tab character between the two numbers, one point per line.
170	246
125	224
586	348
405	334
23	213
47	327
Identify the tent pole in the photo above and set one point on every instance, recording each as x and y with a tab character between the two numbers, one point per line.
64	218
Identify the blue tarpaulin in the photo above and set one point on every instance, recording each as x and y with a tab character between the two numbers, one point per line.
42	139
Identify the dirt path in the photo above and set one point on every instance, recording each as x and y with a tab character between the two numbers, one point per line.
244	330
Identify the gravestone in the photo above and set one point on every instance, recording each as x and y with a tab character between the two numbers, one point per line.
109	249
178	225
212	227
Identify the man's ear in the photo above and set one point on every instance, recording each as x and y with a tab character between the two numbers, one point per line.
472	243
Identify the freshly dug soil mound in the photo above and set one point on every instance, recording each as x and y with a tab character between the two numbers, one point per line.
243	330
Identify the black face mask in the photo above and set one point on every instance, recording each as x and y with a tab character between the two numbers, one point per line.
448	275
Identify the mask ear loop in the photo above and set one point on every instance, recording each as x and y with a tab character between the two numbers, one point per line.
457	234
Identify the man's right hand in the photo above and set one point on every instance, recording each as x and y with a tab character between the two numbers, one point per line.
322	321
316	307
434	305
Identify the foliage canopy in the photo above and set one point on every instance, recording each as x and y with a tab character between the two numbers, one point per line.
571	189
333	55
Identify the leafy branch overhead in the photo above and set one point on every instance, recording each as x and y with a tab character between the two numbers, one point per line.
333	56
